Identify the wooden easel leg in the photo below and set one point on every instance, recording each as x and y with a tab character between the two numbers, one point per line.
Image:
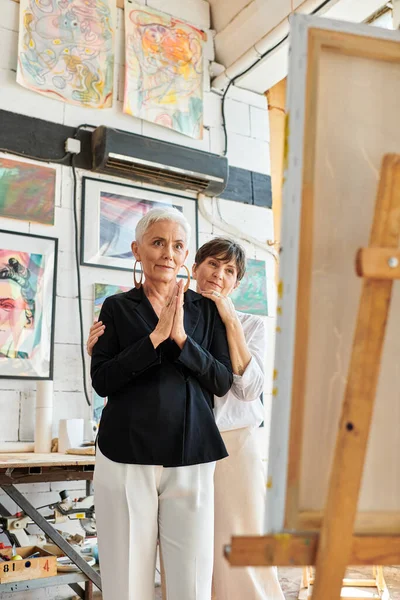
351	444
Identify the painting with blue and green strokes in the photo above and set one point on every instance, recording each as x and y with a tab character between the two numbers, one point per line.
251	295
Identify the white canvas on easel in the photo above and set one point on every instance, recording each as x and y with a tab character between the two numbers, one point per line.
343	107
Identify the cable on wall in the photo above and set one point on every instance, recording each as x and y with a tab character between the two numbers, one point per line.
259	59
61	160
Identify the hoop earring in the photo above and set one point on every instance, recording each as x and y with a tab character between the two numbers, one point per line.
185	289
138	284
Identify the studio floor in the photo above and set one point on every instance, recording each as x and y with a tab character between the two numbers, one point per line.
290	580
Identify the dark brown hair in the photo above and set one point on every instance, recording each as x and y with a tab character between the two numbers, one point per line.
223	249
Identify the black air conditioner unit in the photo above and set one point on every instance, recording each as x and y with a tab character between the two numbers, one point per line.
156	162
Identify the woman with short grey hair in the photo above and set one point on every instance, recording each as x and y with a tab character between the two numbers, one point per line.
161	358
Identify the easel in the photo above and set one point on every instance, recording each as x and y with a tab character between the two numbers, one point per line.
377	581
335	546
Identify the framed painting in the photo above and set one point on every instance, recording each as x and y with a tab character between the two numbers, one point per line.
28	271
110	213
27	191
101	292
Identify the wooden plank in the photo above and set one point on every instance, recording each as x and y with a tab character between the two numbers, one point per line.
301	550
345	481
30	459
378	263
367	523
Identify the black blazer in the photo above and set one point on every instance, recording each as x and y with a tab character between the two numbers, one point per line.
160	401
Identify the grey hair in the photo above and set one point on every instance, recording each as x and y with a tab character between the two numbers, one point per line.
169	213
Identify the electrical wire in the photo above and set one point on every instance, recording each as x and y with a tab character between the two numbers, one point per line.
250	68
40	158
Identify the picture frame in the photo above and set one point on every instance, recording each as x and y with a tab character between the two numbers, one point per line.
28	275
110	212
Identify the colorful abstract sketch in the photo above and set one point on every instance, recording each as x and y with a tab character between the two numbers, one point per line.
164	70
21	303
66	50
119	216
101	292
251	295
27	191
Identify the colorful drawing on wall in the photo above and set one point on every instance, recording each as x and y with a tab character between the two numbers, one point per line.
27	191
164	70
251	295
66	50
110	213
101	292
27	295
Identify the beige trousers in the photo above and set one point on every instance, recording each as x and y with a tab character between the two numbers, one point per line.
135	504
239	486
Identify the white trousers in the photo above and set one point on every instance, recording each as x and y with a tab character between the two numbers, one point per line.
239	510
137	503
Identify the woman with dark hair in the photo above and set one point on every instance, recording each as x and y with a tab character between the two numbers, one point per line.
161	359
239	481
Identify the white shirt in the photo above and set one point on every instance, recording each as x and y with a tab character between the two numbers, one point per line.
241	406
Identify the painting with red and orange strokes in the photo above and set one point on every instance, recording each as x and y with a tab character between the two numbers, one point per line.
163	70
27	191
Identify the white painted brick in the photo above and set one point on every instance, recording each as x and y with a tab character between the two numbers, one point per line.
14	225
69	405
254	220
63	228
9	411
16	98
237	117
34	488
212	110
8	49
248	153
67	329
216	140
247	97
27	415
9	15
163	133
195	12
259	120
68	369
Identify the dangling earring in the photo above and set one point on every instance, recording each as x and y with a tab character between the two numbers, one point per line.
138	284
185	289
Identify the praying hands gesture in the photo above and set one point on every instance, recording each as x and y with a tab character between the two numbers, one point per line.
170	323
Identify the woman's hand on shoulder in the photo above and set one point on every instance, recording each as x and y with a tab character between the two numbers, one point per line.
178	333
224	306
96	330
165	323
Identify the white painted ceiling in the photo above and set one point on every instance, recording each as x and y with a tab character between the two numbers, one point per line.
246	29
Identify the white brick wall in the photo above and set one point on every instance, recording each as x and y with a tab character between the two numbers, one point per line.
248	148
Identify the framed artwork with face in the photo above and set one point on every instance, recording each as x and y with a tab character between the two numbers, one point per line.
28	271
110	213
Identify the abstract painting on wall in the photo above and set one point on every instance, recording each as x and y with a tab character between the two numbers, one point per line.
101	292
251	295
163	70
27	191
66	50
28	265
110	213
